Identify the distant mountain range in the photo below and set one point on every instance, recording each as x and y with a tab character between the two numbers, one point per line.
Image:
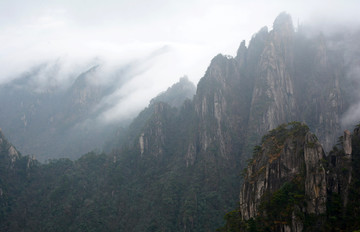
57	121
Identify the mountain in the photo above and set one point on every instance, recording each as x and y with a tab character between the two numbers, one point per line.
15	172
54	120
177	93
59	120
174	96
291	185
177	167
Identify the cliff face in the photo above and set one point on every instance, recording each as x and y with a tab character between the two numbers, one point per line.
273	100
282	76
290	181
287	153
297	79
220	106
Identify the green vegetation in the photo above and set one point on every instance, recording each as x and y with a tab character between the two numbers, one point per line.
279	208
275	209
124	192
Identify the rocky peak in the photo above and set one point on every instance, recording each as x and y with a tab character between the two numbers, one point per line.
261	35
282	38
281	159
177	93
283	23
257	43
215	99
216	68
84	92
241	54
85	78
290	180
273	95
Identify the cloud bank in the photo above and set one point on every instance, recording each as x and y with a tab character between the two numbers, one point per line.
156	41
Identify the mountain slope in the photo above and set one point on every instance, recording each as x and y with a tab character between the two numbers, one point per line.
53	121
290	185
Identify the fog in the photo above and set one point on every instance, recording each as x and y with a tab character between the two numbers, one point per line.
155	42
352	63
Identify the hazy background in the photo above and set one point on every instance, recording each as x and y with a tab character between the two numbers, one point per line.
156	41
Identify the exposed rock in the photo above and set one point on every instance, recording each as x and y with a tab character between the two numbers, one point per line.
283	23
14	155
315	178
141	143
279	161
273	95
152	139
242	54
8	151
347	143
340	168
292	154
190	155
177	93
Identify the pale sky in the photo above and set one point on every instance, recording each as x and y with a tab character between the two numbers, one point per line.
167	39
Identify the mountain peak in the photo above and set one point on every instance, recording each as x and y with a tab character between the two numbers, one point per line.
177	93
283	22
241	53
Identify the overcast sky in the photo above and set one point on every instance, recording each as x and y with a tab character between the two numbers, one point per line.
184	35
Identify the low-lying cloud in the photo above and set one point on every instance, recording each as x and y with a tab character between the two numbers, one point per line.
141	47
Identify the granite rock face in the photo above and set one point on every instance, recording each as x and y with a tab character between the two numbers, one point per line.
280	161
282	76
290	154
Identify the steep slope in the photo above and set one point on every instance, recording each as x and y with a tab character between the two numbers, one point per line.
236	102
174	96
298	78
290	185
51	122
208	139
290	157
177	93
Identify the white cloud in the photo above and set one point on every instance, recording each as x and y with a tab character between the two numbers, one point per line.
81	33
